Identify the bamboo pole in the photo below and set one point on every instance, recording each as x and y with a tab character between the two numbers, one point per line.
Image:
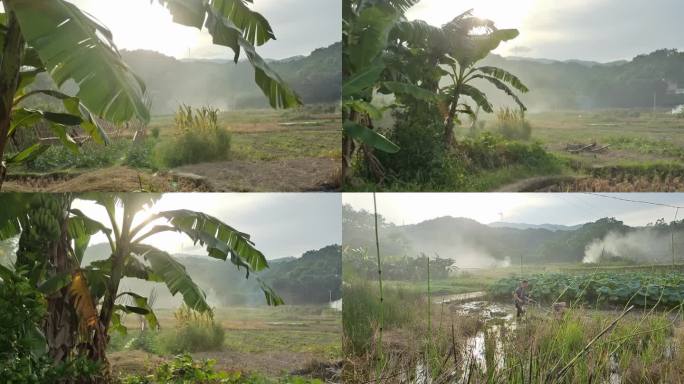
380	317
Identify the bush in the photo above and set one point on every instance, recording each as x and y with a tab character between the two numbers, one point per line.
90	155
140	155
23	348
422	160
198	139
192	147
511	124
155	132
194	332
362	309
489	151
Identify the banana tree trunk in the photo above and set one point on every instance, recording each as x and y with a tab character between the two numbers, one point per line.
449	125
9	79
101	334
61	324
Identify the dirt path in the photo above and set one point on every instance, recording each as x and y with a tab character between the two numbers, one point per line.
534	184
113	179
291	175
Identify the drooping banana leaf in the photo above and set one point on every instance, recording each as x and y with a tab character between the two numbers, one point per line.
232	24
73	45
175	276
220	239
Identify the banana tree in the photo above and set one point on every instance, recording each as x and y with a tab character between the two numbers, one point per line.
463	69
59	39
367	28
82	289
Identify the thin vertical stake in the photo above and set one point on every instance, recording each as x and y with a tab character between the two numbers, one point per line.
377	250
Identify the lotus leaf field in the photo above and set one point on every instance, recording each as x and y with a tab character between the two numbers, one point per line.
600	289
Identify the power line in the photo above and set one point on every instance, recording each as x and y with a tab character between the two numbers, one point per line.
634	201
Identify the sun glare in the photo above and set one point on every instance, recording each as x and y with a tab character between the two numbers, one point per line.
143	25
504	13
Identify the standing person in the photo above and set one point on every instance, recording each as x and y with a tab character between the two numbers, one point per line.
521	298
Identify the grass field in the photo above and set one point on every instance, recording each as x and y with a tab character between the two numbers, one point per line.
270	150
479	340
270	342
644	151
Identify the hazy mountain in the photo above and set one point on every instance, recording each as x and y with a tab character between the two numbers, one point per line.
579	85
313	278
550	227
472	244
226	85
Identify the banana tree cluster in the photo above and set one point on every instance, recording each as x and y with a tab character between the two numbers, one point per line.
386	53
366	31
481	38
57	38
84	302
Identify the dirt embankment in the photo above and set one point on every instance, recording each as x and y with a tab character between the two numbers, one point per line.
114	179
289	175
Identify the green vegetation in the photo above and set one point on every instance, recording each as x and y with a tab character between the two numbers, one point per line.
601	289
193	332
183	369
53	238
48	40
198	138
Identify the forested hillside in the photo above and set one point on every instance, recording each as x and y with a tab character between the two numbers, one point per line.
225	85
578	84
474	245
313	278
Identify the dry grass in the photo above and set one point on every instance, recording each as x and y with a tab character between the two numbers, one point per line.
114	179
625	183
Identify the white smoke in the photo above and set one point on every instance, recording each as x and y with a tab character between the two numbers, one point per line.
643	245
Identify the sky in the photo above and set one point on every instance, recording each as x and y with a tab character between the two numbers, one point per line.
595	30
300	27
528	208
280	224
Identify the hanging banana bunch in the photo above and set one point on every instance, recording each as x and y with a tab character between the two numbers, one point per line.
41	231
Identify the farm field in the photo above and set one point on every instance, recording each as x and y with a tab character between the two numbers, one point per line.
477	339
273	343
629	150
435	291
294	150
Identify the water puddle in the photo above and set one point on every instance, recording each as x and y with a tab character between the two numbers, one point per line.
336	305
458	298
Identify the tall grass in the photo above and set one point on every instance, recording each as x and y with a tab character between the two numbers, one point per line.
199	138
511	124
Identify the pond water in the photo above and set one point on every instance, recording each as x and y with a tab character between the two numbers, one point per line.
336	305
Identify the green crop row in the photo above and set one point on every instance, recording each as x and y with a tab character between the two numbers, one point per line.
602	289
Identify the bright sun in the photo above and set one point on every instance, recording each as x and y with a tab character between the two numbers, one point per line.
140	24
505	13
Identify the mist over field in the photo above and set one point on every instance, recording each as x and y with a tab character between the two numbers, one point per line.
471	244
643	245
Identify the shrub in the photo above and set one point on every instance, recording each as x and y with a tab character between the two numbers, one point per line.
90	155
198	139
194	332
511	124
23	348
139	155
155	132
362	309
194	147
